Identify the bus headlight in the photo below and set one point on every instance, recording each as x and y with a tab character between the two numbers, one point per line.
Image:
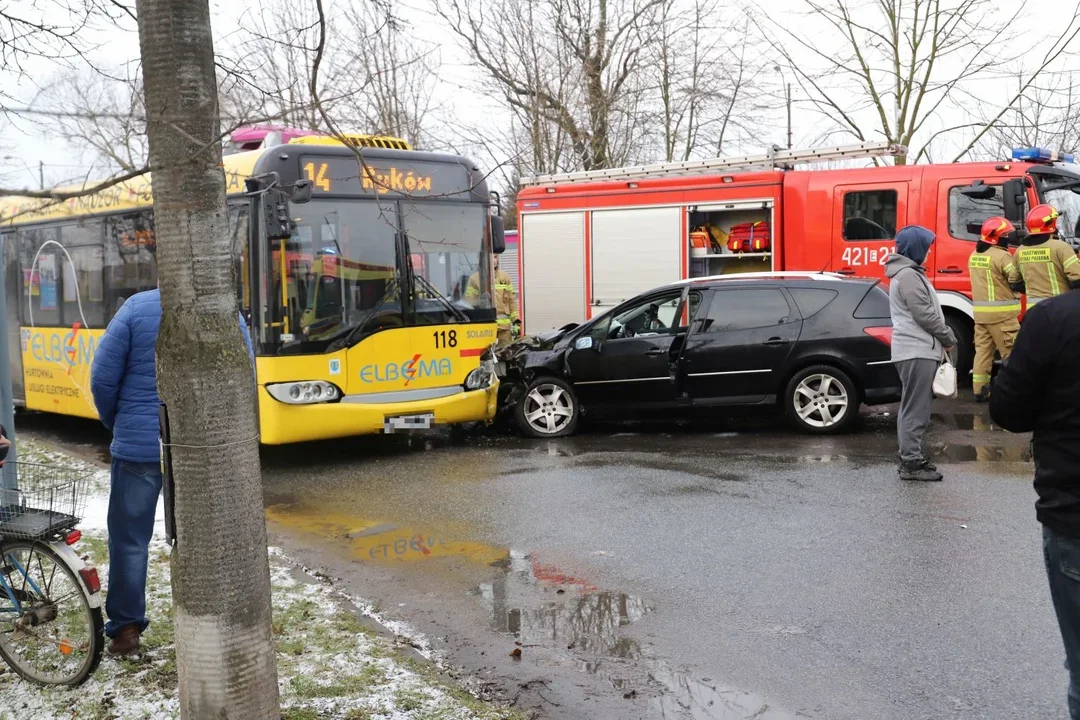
483	376
306	392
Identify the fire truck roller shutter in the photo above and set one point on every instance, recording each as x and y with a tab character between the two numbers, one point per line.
553	270
634	250
508	263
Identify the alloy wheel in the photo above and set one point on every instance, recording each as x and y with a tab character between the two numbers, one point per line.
821	400
548	408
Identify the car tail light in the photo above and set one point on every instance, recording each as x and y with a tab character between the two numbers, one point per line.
73	537
883	333
90	578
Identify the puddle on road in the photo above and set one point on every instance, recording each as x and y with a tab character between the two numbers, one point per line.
704	700
966	421
981	453
381	542
580	617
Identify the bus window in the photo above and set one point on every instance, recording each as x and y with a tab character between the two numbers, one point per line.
130	265
83	270
238	230
40	263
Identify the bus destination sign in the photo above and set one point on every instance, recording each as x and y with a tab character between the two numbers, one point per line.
347	176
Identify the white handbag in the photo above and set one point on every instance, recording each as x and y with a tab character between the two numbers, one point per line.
945	381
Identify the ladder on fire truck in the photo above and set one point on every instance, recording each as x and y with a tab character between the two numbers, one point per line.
775	158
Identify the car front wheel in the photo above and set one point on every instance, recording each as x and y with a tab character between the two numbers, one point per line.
821	399
549	409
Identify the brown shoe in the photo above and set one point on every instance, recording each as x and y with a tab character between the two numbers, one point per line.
126	641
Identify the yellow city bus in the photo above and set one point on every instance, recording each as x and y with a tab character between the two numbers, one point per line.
356	302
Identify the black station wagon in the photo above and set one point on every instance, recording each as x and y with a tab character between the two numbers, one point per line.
816	345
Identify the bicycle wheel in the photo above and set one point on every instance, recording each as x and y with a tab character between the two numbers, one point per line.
49	634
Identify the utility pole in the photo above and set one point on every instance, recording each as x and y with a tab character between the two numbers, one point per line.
41	174
789	116
787	96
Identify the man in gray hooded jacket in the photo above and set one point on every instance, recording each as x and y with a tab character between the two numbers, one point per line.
919	342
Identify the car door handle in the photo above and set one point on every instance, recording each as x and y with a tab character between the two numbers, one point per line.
775	341
656	351
951	270
845	271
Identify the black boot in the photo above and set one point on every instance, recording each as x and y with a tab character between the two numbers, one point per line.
983	395
919	470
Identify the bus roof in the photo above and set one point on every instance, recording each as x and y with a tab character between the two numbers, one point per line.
128	195
135	193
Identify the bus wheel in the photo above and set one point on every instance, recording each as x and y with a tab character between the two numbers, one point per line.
963	354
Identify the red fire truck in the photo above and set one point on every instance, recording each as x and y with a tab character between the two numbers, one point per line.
590	240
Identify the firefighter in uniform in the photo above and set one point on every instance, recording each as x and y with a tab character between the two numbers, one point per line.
995	284
505	302
1049	266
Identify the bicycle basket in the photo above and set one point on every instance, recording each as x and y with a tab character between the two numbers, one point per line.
49	501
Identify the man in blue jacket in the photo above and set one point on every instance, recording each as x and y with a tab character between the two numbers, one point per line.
123	380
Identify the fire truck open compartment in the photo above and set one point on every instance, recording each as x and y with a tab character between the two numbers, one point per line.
718	258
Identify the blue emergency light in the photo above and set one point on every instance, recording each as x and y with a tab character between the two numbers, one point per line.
1036	154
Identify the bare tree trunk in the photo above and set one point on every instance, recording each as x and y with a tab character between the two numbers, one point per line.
220	572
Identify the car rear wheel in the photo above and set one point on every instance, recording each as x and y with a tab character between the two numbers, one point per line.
549	409
821	399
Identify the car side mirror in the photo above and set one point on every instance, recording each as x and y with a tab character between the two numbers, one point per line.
583	343
498	235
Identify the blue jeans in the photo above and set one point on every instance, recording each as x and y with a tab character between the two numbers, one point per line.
132	502
1062	553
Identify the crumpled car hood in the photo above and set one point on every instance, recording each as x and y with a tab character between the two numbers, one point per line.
543	341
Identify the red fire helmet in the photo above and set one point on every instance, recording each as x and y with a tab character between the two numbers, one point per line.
1042	220
995	230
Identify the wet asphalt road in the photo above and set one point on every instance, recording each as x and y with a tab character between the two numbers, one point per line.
716	573
735	571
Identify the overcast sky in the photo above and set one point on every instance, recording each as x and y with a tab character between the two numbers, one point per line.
24	146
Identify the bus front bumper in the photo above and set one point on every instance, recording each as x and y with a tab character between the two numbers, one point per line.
282	423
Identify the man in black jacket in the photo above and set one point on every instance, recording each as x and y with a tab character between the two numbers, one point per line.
1038	389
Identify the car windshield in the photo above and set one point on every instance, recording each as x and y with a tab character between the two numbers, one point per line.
345	274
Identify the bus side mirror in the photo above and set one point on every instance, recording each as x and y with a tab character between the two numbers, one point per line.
279	226
1015	193
498	235
301	191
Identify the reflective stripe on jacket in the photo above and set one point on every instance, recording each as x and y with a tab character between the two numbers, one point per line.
505	296
992	274
1048	268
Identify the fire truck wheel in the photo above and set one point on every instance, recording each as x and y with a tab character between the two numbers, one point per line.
821	399
549	409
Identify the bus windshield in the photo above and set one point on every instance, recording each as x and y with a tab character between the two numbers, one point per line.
355	267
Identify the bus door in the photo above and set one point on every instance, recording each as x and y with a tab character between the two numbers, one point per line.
865	220
963	205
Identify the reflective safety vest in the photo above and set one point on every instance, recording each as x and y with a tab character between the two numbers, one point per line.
992	273
1048	269
505	297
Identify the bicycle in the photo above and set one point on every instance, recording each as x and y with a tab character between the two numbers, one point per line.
51	626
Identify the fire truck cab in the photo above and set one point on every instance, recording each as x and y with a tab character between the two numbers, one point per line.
590	240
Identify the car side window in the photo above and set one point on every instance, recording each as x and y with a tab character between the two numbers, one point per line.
657	315
745	309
